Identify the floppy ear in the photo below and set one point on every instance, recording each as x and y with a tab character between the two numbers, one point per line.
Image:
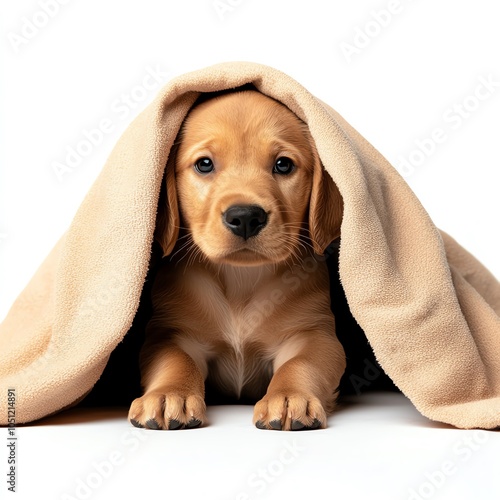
167	218
325	209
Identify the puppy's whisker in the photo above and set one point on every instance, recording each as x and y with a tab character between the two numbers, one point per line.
182	247
293	245
188	241
305	244
302	240
294	225
190	249
198	254
192	255
184	236
299	229
201	256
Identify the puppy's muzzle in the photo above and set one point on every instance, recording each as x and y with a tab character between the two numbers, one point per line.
245	220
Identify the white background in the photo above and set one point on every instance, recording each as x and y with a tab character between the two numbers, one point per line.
73	73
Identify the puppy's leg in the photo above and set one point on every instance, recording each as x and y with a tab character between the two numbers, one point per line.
174	390
302	390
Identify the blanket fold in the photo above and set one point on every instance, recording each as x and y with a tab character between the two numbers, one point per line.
429	309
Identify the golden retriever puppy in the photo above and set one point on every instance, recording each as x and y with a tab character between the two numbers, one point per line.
242	300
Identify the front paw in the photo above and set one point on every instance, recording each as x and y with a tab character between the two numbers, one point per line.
287	412
169	410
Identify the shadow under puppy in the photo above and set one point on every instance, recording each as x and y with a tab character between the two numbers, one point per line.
242	300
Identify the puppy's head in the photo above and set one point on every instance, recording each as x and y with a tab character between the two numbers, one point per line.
249	183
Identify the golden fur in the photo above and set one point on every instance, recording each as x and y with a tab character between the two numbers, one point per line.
252	314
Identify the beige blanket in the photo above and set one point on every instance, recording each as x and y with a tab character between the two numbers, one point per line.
428	308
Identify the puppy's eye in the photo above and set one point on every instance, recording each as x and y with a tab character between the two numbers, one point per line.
204	165
283	166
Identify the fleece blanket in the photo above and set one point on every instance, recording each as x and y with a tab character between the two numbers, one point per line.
429	309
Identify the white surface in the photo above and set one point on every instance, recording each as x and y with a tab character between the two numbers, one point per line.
378	447
78	69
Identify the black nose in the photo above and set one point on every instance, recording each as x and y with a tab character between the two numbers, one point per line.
245	220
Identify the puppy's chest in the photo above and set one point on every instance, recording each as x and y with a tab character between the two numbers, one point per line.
236	310
230	329
238	361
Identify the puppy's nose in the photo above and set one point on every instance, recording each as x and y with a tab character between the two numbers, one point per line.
245	220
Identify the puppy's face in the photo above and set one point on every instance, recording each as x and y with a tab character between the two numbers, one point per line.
244	172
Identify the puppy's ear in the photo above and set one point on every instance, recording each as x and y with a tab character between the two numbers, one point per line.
325	208
167	218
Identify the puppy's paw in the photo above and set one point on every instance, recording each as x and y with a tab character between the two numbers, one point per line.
170	410
287	412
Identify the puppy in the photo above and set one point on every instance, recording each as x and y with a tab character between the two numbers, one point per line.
242	301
